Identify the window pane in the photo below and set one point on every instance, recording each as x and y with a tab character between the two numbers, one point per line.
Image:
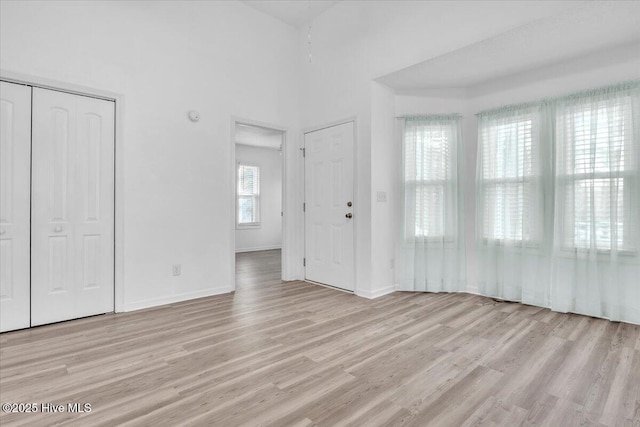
507	149
427	152
507	211
595	213
597	136
429	210
509	167
246	210
248	180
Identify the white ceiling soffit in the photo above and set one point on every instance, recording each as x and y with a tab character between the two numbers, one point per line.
292	12
589	28
258	136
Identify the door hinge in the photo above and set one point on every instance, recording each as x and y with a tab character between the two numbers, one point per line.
304	207
304	152
304	262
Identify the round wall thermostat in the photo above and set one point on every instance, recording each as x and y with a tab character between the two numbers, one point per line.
194	116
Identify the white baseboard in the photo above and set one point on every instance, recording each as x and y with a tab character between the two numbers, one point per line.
170	299
261	248
375	294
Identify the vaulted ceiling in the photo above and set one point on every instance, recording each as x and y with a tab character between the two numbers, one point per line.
295	13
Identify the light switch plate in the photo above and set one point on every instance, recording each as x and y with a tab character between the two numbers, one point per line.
382	196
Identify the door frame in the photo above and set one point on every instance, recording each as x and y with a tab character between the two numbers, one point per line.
356	198
286	222
118	99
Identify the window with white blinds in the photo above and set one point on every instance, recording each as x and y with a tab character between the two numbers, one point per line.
596	173
248	196
427	173
558	202
509	168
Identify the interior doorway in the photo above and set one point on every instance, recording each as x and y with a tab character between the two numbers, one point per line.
258	200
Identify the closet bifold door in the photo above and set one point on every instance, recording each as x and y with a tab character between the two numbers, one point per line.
72	222
15	170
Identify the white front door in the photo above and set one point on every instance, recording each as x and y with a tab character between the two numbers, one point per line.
15	171
329	209
72	235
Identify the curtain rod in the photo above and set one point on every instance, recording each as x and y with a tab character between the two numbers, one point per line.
627	85
431	116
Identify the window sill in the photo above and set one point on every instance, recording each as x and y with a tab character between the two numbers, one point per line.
248	226
429	240
524	244
571	252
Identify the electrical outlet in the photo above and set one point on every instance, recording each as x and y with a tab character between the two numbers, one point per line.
176	269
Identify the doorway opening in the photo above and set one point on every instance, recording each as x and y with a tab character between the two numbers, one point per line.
258	200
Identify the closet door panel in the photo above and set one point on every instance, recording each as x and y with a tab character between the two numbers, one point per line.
52	234
72	216
95	203
15	167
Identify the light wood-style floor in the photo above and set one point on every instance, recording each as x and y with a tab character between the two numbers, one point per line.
297	354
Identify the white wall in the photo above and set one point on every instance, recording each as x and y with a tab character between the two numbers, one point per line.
167	58
593	71
269	234
383	177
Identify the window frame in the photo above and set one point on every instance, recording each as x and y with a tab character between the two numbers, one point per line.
565	180
533	180
255	196
412	185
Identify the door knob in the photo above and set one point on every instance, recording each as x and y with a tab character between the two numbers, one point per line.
349	215
349	204
57	229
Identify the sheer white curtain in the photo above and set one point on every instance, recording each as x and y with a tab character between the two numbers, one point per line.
596	269
432	239
558	203
513	204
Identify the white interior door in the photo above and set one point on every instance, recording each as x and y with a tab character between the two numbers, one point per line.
72	236
329	210
15	171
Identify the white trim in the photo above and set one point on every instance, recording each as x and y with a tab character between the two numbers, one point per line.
259	248
155	302
119	207
333	288
44	83
377	293
263	147
353	119
356	199
286	223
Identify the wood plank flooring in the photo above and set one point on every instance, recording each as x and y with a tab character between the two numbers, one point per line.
297	354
